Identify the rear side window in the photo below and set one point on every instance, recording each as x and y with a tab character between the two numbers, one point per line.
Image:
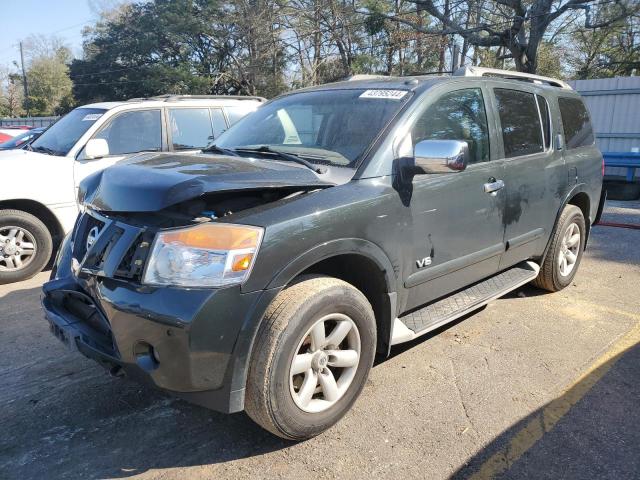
520	122
578	131
190	128
219	123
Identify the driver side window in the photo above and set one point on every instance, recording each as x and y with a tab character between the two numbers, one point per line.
458	115
132	132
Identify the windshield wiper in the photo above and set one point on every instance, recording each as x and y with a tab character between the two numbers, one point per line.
215	148
285	156
46	150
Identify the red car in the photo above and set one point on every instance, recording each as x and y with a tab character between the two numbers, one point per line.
10	131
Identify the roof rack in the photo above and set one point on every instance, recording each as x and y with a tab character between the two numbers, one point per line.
177	98
494	72
366	76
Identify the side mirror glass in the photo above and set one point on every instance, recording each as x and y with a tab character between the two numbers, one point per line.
96	148
440	156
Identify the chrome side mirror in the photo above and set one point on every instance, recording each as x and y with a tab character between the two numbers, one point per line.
96	148
440	156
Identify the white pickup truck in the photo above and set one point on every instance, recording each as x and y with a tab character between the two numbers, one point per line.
39	184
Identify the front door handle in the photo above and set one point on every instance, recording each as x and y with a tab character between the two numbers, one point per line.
493	186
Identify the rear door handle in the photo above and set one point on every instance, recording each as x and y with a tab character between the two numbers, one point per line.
493	187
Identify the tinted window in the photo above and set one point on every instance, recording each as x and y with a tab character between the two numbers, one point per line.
132	132
219	123
520	122
546	120
190	128
458	115
336	126
63	135
575	122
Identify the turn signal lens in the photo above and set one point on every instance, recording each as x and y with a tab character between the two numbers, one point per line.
242	262
206	255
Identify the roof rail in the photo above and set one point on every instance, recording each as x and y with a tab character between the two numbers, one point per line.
494	72
177	98
366	76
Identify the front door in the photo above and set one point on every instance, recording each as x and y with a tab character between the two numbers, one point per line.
126	133
456	223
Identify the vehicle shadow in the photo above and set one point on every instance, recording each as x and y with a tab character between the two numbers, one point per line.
63	416
590	431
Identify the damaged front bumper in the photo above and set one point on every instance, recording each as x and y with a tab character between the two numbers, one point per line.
192	342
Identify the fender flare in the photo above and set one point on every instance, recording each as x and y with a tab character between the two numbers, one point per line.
245	342
334	248
579	188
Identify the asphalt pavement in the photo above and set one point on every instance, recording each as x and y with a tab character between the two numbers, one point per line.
535	385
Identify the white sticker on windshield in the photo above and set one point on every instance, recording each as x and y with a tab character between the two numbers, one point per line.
92	117
384	94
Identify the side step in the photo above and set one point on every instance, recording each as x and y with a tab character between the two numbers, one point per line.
455	306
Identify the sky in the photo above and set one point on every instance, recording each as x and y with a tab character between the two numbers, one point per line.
62	18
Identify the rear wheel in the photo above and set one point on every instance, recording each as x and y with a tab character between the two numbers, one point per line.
564	255
312	357
25	246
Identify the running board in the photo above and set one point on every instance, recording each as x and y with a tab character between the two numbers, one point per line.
459	304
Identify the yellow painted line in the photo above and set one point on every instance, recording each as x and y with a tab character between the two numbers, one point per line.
546	419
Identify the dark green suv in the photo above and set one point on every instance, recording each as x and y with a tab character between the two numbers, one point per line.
334	222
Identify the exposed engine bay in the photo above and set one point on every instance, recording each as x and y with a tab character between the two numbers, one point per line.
210	207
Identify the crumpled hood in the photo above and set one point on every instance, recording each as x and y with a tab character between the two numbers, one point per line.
153	181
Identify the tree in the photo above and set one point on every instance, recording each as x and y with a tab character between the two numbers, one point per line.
517	26
614	51
49	87
11	94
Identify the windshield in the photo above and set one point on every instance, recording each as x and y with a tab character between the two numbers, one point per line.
328	126
63	135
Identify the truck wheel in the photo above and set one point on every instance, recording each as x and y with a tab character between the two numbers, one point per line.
312	357
564	255
25	246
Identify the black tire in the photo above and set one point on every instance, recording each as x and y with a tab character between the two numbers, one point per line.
269	401
550	277
43	244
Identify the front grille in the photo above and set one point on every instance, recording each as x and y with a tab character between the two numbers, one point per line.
84	225
109	248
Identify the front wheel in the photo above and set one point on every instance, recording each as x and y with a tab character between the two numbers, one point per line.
312	357
564	255
25	246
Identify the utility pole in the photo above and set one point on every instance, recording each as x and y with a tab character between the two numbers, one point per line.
24	81
455	57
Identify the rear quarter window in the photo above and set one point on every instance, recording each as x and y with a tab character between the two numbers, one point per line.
578	131
234	114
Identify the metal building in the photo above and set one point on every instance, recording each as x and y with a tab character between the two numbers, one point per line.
614	104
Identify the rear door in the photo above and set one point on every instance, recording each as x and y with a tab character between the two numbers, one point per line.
193	128
126	133
533	172
456	225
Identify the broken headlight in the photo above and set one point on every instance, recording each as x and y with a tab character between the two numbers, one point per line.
206	255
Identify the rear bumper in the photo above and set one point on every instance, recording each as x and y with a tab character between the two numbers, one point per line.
194	343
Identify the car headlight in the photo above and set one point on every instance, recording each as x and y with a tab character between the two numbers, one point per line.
206	255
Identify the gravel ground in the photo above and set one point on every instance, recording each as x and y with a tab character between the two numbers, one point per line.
439	407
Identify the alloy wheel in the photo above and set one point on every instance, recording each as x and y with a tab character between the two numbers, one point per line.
325	363
569	249
17	248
